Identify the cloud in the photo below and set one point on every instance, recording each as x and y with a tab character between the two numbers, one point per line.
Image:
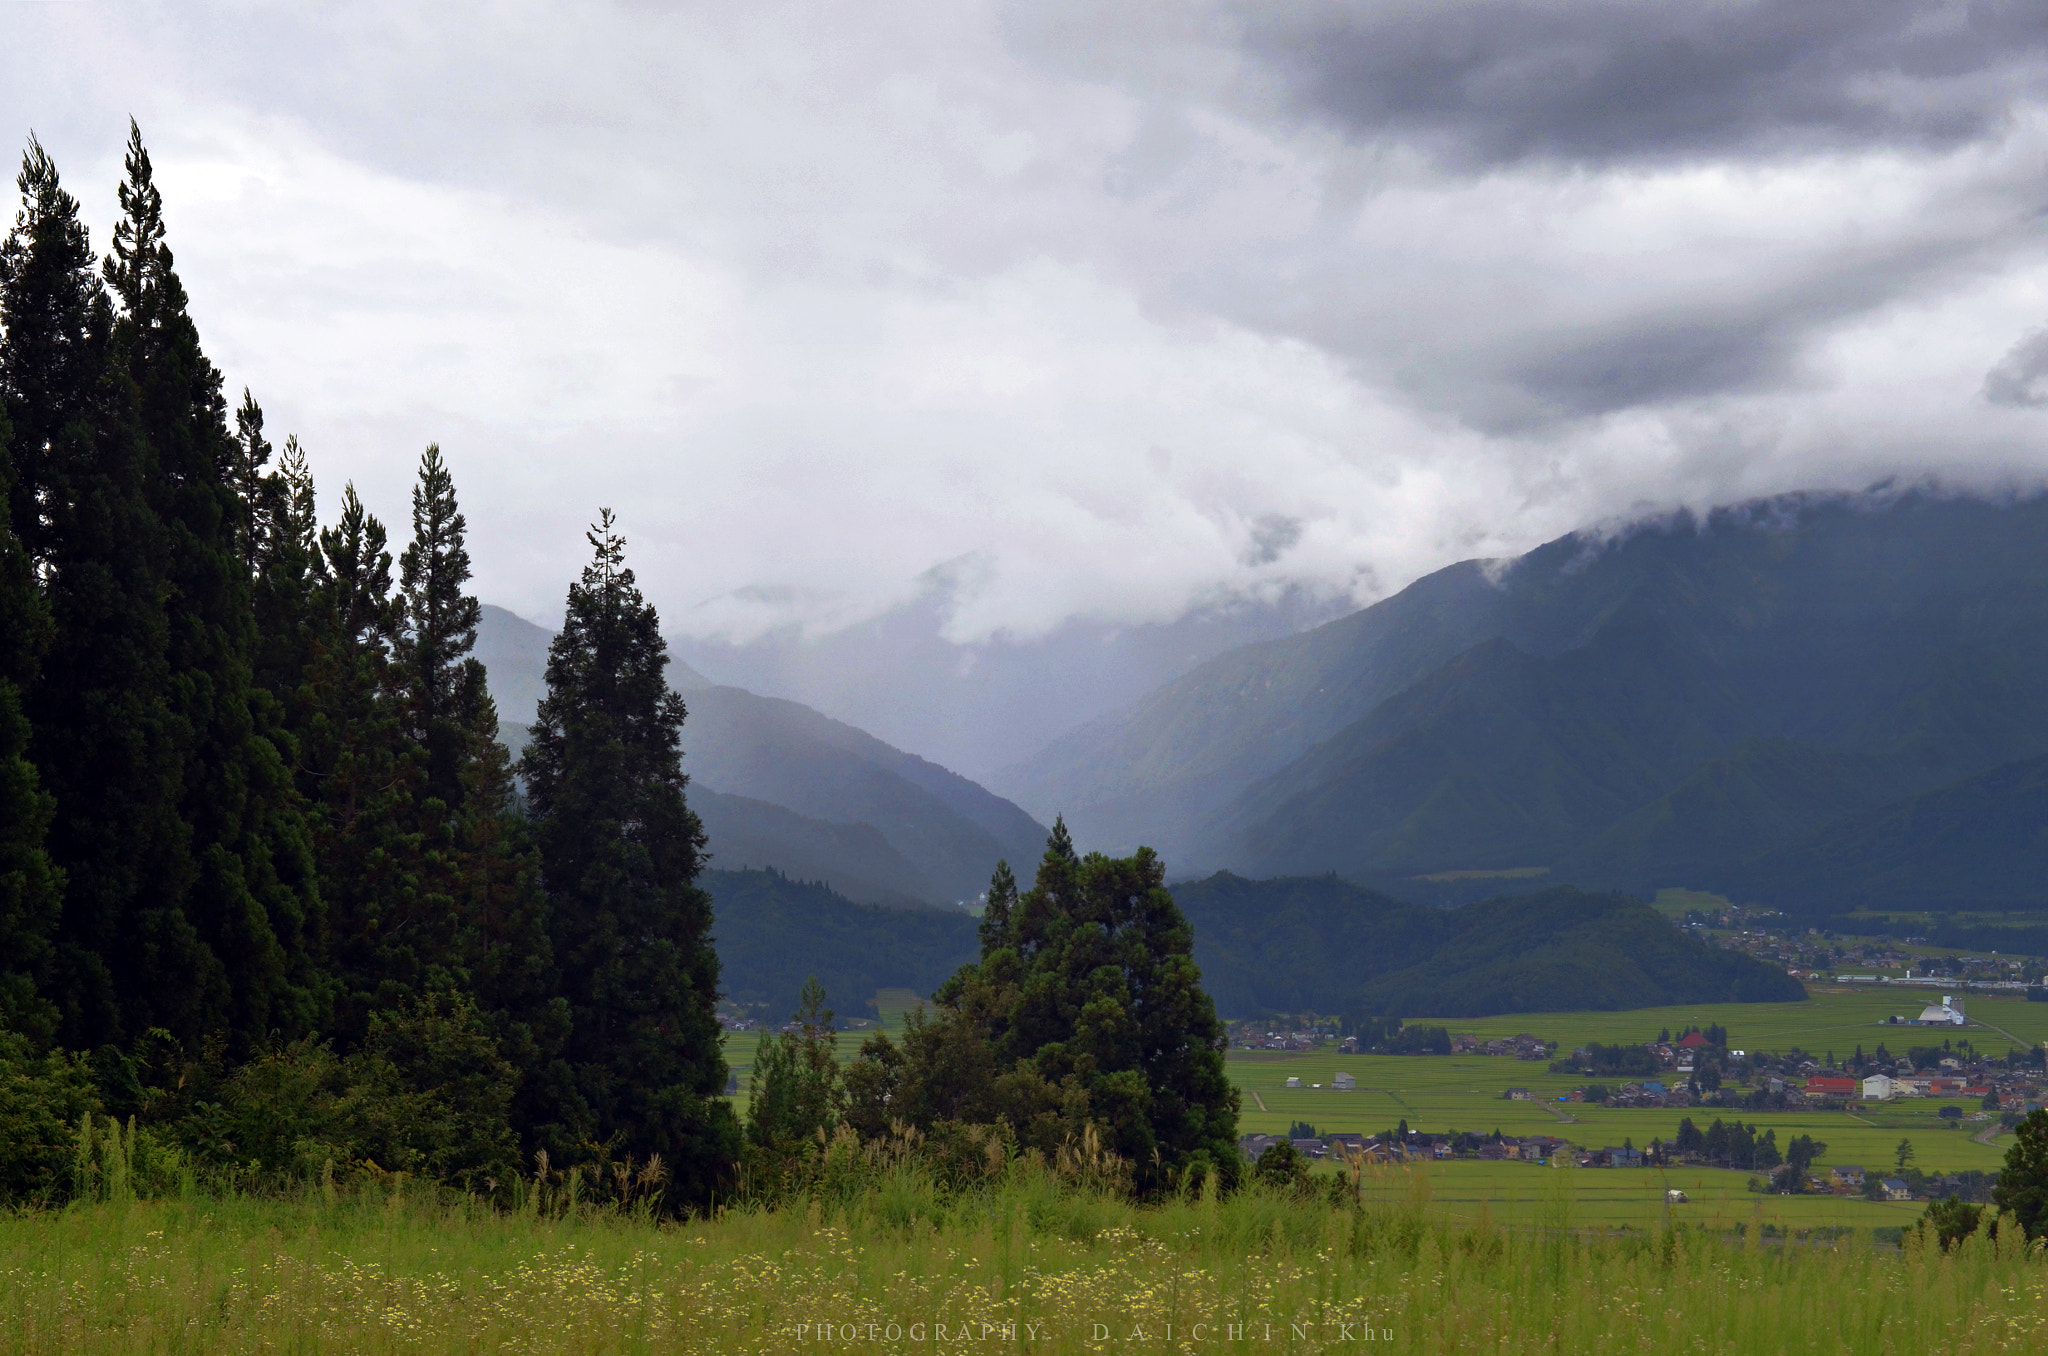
1618	82
2021	377
1141	310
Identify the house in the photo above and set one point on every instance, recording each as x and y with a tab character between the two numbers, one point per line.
1831	1085
1254	1145
1676	1197
1897	1190
1309	1148
1692	1040
1343	1082
1294	1082
1879	1088
1848	1175
1349	1045
1519	1095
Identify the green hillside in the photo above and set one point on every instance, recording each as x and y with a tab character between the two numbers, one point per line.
1981	843
1322	944
773	932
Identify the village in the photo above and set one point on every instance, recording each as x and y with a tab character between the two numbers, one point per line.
1698	1069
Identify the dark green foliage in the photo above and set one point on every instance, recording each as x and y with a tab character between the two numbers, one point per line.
773	932
107	740
796	1099
250	912
428	1093
1952	1219
443	684
1321	944
642	1070
1420	1040
31	887
1085	1009
1303	1130
2023	1182
1282	1167
42	1100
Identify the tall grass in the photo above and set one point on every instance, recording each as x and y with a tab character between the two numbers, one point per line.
1026	1261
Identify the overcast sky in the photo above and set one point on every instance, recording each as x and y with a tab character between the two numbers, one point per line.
1099	310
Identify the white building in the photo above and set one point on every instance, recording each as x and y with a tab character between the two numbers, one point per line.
1294	1082
1879	1088
1950	1013
1343	1082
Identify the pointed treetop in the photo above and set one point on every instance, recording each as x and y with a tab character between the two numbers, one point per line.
1060	844
609	563
43	198
995	916
140	261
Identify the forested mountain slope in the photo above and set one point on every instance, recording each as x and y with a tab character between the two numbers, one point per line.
1322	944
1654	708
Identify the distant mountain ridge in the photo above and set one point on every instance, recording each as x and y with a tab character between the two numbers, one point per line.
781	786
1692	702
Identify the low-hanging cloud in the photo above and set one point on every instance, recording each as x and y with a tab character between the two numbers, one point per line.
2021	377
1136	309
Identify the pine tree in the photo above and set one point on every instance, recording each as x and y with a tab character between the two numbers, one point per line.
357	768
104	737
31	898
643	1068
445	692
1084	1009
254	899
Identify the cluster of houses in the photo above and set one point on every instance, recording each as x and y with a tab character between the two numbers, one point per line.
1245	1037
1523	1046
1412	1147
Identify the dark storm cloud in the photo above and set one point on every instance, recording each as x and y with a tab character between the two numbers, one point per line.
1616	81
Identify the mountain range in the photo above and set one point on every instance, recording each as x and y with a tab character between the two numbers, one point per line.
1813	700
779	785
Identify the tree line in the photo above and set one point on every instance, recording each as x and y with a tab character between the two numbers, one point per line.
273	896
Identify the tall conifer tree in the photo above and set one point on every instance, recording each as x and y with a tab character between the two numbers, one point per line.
104	737
358	768
643	1067
254	901
445	692
30	885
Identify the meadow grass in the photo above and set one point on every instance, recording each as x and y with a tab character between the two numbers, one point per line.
1029	1264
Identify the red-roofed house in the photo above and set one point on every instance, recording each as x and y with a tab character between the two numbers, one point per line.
1693	1041
1827	1085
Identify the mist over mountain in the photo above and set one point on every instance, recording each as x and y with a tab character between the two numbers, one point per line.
778	785
1731	700
978	707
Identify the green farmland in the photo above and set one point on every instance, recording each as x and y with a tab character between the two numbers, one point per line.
1467	1092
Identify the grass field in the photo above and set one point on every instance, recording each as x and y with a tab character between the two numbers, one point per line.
1026	1265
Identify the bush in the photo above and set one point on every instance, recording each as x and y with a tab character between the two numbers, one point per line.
43	1100
428	1094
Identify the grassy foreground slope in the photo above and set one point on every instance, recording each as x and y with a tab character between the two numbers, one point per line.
1030	1265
